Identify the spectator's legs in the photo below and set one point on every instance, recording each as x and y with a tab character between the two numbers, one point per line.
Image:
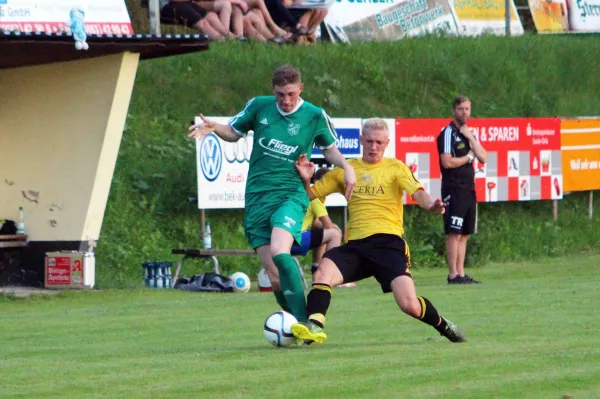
205	25
251	32
304	20
268	20
222	8
280	14
237	22
318	18
259	24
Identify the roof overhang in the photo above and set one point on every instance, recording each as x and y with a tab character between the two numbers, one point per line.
26	49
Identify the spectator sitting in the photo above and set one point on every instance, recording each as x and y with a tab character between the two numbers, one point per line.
256	28
310	18
260	7
284	18
194	16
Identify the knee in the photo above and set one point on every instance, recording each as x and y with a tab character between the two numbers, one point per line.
259	16
278	250
327	273
410	306
223	5
202	24
336	233
320	276
210	17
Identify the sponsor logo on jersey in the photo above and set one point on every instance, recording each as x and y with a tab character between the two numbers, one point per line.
293	129
277	146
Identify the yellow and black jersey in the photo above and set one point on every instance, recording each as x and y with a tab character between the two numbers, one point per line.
376	203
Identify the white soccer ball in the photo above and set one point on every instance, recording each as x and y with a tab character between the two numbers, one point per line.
278	329
241	282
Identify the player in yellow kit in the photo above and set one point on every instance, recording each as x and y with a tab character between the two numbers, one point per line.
318	231
375	245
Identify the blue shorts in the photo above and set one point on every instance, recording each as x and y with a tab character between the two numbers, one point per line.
311	239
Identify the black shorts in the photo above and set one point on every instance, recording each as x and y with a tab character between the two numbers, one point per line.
298	12
383	256
460	216
186	13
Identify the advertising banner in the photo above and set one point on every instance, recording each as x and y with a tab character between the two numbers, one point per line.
562	16
524	159
312	4
52	16
222	167
580	144
391	19
476	17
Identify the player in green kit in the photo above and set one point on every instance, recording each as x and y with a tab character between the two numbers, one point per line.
284	127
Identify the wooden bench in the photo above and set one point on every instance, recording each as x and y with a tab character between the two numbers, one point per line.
212	254
13	241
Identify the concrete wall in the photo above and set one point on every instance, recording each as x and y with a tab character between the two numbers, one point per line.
60	130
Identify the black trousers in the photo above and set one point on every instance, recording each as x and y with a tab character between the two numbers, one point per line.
281	14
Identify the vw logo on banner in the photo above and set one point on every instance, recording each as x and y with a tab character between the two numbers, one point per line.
211	157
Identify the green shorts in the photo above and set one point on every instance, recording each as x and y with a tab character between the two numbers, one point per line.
259	221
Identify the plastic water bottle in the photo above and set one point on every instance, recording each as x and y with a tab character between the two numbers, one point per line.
21	223
207	237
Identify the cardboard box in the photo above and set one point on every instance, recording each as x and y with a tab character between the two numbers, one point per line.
69	269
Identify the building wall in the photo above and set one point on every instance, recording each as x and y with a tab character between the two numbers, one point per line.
60	130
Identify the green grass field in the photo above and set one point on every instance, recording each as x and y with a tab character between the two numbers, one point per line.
532	331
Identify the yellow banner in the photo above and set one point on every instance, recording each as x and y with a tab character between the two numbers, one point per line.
482	10
580	145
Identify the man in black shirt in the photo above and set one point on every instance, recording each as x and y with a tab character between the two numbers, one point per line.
458	148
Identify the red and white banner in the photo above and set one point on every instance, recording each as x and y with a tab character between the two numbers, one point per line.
51	16
524	157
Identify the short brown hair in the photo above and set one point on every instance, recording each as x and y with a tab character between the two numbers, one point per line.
459	100
285	75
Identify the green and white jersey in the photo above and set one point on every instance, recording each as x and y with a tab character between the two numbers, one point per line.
279	139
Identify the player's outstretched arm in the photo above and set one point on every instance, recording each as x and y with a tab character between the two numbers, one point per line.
306	170
334	156
426	202
207	126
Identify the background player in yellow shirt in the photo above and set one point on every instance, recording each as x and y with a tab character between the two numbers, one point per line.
375	245
318	231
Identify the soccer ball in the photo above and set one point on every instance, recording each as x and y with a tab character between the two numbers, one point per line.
278	329
241	282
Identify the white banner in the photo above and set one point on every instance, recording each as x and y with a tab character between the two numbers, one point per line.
391	19
396	19
222	167
51	16
312	4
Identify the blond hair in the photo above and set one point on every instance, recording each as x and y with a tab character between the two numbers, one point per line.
375	124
